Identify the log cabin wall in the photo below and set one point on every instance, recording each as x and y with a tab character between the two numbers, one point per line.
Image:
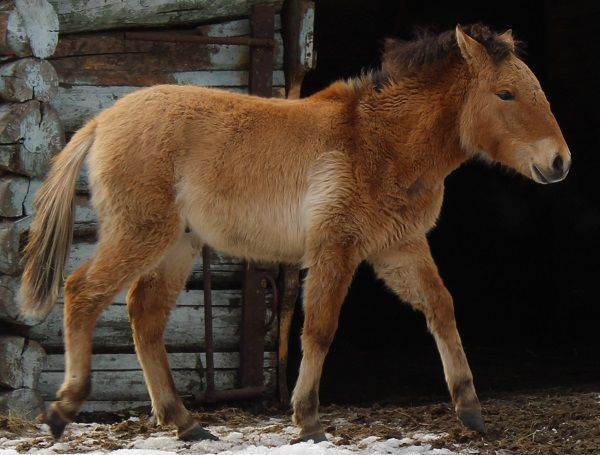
92	65
30	133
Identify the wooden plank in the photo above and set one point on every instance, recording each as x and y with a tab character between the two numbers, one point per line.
13	234
240	27
75	105
109	406
177	361
83	15
109	59
299	50
30	134
28	79
113	329
226	271
30	27
130	385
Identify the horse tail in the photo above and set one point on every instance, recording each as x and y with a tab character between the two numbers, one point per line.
51	230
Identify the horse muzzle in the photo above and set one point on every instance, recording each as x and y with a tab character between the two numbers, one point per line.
555	172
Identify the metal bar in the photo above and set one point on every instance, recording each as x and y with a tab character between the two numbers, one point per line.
208	327
171	37
252	343
262	24
289	285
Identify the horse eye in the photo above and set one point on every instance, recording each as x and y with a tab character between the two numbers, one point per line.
505	95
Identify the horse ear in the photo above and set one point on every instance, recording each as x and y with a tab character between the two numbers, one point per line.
507	37
470	49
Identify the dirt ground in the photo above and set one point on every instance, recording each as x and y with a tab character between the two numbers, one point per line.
555	421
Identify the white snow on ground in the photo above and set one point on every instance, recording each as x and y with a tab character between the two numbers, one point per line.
270	437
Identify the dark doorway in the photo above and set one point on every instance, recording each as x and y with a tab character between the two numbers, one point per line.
521	260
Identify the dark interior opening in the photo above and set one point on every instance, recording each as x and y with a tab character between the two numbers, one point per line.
520	259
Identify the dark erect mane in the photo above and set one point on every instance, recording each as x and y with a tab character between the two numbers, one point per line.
410	57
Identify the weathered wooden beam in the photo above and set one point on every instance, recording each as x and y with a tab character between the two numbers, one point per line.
130	385
110	59
177	361
300	57
83	15
113	330
226	271
240	27
28	27
30	134
13	234
127	372
28	79
77	104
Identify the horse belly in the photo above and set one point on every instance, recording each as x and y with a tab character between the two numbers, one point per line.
259	230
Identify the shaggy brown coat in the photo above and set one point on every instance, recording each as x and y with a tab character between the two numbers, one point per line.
353	173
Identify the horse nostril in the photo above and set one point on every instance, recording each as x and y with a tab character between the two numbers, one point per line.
558	164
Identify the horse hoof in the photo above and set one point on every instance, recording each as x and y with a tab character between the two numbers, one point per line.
315	437
472	419
56	423
196	433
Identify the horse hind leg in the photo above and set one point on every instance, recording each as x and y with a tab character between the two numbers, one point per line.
149	301
88	291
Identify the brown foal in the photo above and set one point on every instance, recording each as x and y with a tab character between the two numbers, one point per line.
353	173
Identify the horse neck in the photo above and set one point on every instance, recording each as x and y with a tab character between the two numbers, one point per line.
417	120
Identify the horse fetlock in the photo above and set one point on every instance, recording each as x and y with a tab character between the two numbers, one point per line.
464	395
306	409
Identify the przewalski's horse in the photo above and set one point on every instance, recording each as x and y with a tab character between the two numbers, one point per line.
355	172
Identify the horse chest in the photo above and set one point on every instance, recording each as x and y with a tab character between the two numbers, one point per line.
418	211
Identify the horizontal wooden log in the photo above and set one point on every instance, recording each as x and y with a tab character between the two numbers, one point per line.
30	134
13	234
240	27
130	385
28	27
226	272
177	361
110	59
185	330
28	79
83	15
75	105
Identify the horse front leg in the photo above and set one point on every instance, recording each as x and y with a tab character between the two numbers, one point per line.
411	273
325	288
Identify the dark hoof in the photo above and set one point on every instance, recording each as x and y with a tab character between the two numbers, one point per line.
471	418
315	437
196	433
56	423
